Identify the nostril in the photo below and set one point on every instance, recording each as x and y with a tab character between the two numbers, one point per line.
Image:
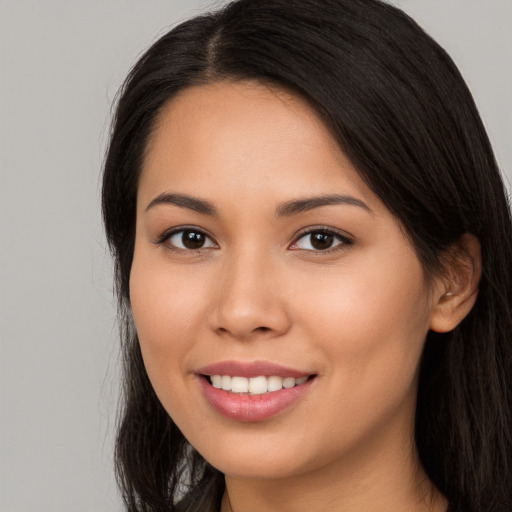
262	329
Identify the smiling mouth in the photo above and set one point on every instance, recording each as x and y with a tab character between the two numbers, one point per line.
259	385
255	391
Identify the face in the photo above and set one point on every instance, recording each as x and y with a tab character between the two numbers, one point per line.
281	311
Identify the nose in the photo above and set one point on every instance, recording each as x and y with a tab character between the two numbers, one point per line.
250	303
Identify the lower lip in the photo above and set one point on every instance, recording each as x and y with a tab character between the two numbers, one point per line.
253	408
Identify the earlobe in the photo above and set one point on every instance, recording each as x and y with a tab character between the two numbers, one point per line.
457	291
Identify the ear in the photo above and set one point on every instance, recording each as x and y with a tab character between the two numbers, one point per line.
456	291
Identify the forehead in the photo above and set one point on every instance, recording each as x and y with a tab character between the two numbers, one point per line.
249	135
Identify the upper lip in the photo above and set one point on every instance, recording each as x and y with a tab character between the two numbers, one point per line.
251	369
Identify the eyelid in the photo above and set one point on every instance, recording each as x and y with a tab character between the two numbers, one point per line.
344	237
166	235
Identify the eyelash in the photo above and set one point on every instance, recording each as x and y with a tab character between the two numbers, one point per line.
344	241
167	235
341	237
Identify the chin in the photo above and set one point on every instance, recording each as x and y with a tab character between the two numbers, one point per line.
268	457
265	468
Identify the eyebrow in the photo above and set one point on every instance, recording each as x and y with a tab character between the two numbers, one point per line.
309	203
287	209
184	201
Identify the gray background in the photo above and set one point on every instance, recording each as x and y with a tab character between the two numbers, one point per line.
61	62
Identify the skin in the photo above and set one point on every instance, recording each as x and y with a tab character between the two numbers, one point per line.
355	315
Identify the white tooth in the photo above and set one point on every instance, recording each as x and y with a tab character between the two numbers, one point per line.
300	381
288	382
225	383
239	384
274	383
216	381
257	385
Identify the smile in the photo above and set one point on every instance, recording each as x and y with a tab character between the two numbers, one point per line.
253	391
255	385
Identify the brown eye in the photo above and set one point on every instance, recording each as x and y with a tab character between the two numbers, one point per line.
190	239
320	240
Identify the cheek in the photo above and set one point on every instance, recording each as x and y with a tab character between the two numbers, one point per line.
371	325
165	303
166	307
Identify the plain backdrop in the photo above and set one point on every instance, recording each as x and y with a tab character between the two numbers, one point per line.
61	62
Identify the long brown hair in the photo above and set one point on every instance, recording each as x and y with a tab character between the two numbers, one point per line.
401	111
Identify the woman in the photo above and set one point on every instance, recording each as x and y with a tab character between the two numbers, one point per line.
312	246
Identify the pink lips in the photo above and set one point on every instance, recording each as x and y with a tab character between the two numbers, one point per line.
251	408
250	369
